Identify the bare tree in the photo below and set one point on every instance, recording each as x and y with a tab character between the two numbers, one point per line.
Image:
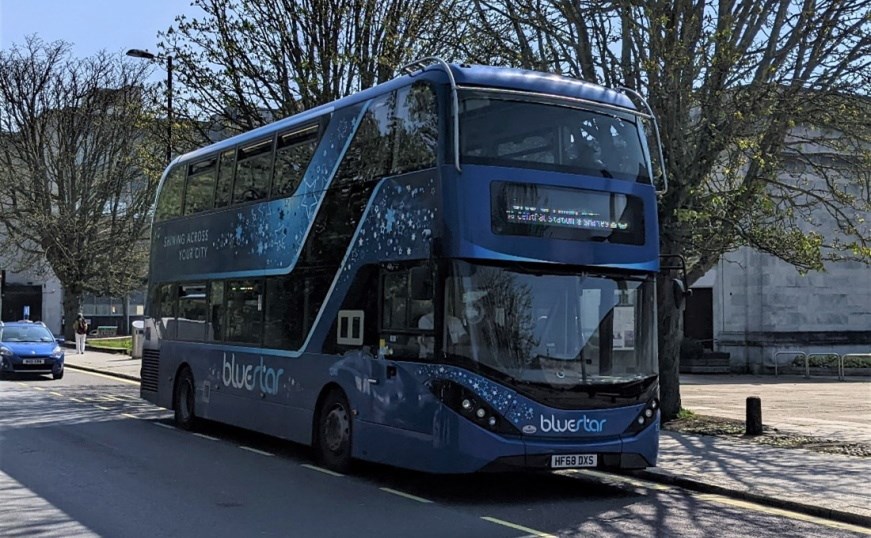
77	171
740	87
245	63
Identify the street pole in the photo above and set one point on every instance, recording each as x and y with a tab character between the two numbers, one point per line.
168	109
139	53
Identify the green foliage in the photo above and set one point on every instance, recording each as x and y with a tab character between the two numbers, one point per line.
112	344
244	63
831	361
685	413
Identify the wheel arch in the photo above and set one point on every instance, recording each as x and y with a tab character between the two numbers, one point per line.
181	367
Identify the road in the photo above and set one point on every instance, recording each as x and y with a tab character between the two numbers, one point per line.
84	456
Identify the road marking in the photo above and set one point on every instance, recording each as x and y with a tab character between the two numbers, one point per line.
113	378
162	425
406	495
204	436
56	394
39	388
76	400
22	384
748	505
254	450
103	407
515	526
128	415
321	469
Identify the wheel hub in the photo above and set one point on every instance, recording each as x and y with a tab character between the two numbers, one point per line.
336	429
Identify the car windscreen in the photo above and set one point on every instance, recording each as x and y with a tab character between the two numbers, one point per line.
25	334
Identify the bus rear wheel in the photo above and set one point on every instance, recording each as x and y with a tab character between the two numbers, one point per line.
184	400
334	430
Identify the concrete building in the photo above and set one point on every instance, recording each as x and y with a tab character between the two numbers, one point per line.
753	305
35	295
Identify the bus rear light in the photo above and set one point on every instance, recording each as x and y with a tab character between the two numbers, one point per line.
471	406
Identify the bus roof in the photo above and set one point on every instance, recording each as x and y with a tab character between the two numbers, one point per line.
465	75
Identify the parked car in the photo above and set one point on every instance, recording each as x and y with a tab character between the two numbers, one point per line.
29	347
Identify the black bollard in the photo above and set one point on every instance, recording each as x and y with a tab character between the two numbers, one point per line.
754	415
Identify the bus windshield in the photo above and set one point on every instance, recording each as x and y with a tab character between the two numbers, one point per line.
559	330
516	130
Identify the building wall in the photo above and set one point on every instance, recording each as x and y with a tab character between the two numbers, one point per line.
50	298
762	305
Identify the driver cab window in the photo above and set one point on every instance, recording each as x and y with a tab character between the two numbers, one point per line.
407	313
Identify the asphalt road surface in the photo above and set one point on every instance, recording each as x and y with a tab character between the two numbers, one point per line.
84	456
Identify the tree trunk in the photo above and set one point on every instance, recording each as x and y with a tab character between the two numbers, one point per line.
670	331
71	309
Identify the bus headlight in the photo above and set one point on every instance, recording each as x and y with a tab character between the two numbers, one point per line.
471	406
646	417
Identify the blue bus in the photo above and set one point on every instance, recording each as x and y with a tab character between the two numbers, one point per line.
452	271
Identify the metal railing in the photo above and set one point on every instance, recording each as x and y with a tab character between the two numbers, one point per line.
793	353
807	371
807	360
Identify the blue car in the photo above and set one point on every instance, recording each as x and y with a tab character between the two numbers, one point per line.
29	348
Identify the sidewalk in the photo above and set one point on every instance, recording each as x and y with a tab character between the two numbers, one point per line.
824	485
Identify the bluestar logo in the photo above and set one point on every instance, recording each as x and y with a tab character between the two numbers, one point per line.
589	425
249	376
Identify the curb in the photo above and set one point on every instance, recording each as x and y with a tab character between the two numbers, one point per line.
112	350
104	372
794	506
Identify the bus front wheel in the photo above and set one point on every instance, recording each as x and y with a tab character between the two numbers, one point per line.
333	443
184	399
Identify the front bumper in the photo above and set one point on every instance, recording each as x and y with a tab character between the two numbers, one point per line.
16	365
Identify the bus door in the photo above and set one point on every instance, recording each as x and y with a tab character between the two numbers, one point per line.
406	339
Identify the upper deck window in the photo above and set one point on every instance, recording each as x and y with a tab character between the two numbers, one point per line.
200	192
253	172
520	131
170	197
294	151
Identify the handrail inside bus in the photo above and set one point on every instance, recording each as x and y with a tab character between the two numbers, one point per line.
656	130
425	62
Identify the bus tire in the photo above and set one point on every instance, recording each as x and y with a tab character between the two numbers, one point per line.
334	432
184	400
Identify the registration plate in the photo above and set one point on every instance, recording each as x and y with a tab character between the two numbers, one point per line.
566	461
32	361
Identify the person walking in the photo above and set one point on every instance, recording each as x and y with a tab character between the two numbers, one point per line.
81	328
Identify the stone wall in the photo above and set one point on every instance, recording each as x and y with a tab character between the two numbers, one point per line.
763	305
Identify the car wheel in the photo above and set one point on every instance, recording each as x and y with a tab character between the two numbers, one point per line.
184	400
334	432
58	375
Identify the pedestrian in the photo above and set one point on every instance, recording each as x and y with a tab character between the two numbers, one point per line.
81	328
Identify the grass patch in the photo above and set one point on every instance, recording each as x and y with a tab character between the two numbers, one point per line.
112	344
692	423
685	413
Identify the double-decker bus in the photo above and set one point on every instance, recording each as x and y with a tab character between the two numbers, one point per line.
452	271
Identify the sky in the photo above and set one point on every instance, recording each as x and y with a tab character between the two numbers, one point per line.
91	25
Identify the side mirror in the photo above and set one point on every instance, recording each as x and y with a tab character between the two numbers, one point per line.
680	291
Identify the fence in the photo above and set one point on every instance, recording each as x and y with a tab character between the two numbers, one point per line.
807	359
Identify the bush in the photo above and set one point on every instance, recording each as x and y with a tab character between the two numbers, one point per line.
112	344
831	361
